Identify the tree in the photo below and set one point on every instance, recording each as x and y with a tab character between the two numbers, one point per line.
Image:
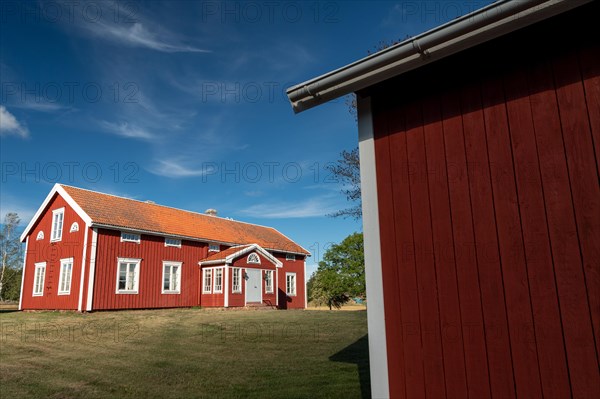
341	274
347	170
11	258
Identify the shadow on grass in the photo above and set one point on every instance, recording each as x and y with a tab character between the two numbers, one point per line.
357	353
9	310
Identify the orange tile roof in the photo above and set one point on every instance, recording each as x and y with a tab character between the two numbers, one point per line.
119	212
224	254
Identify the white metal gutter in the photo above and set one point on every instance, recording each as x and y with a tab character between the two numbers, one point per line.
492	21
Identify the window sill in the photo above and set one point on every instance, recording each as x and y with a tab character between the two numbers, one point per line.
126	292
37	294
63	293
171	292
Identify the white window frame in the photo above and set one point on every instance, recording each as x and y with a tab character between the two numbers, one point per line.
237	271
269	289
290	257
175	242
170	265
218	273
207	273
212	244
257	262
287	284
136	275
40	235
125	239
56	234
74	227
61	277
39	278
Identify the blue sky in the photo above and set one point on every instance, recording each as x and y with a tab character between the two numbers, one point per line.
183	103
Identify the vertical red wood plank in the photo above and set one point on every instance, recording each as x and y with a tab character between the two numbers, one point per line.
486	243
520	322
559	207
590	71
443	245
540	269
405	249
425	262
462	224
585	192
389	261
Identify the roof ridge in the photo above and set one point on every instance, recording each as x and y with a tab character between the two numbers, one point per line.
172	207
233	221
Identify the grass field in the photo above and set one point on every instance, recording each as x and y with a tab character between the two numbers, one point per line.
184	353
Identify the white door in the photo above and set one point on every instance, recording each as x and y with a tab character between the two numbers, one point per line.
253	286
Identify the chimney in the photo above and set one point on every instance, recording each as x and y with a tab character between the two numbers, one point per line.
211	212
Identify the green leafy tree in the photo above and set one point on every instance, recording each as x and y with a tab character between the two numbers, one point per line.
11	258
341	274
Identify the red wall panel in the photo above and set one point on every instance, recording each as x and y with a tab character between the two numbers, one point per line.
153	252
489	217
71	246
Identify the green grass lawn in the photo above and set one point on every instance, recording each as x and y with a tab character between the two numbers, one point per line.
184	353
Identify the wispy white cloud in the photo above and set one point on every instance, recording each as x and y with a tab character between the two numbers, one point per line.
124	129
10	126
137	35
179	169
313	207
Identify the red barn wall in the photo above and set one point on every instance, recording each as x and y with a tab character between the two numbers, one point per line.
71	245
489	210
153	252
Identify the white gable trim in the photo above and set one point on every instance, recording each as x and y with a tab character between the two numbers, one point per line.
70	201
243	250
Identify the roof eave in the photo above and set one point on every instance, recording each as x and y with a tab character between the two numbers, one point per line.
495	20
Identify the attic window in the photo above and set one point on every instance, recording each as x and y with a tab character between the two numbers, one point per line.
130	237
214	248
290	257
172	242
253	258
74	227
40	236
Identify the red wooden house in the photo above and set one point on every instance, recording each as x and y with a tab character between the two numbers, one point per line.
480	155
91	251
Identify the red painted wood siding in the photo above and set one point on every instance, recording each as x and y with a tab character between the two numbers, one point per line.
153	252
291	266
487	172
71	245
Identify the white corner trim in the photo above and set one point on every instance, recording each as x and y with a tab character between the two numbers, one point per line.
226	287
92	272
23	273
305	290
276	288
374	280
68	199
83	262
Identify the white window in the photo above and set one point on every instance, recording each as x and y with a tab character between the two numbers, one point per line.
64	280
171	277
40	236
74	227
236	285
128	273
269	281
57	224
218	280
172	242
290	284
130	237
214	248
207	286
290	257
38	279
253	258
